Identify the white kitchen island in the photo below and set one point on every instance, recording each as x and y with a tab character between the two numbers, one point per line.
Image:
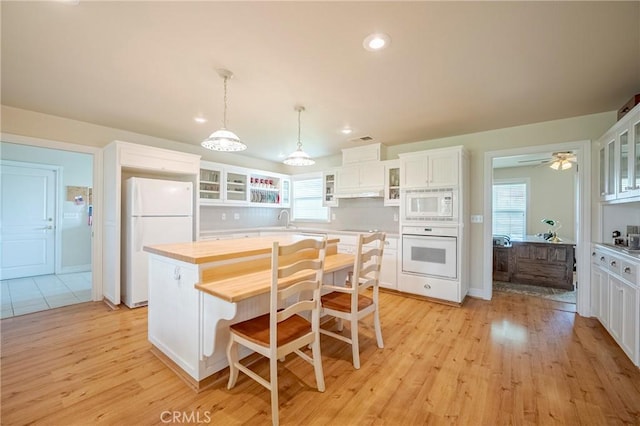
188	326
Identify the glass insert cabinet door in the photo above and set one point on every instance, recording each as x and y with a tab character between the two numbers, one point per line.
635	184
623	161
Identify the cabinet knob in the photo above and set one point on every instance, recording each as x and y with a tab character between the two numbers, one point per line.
613	263
593	254
427	287
627	269
601	258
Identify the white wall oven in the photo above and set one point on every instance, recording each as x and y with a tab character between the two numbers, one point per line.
430	251
419	205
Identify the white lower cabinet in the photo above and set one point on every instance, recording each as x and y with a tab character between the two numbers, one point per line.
389	266
435	288
623	325
615	298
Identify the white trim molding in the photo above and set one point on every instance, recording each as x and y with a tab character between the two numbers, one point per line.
582	219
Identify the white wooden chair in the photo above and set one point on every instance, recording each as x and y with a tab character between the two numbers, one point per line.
296	275
348	303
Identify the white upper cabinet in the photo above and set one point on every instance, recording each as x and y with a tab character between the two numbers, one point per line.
619	160
211	189
372	152
362	172
434	168
367	177
142	157
392	183
223	184
329	198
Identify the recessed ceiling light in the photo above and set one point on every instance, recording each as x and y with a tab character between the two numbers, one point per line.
346	131
376	41
200	119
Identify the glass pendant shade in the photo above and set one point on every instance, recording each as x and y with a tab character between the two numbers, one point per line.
223	139
299	157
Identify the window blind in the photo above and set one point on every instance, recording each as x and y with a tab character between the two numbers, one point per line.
307	200
510	209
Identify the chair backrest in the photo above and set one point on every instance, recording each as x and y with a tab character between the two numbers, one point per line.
302	263
366	271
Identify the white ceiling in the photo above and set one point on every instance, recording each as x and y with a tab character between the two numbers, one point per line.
452	67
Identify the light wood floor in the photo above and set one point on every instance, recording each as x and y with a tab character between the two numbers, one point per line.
487	363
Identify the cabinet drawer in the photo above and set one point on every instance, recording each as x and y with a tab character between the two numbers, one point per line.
629	271
614	265
602	259
430	287
390	243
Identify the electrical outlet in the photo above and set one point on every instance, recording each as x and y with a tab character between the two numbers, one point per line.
224	216
333	216
236	216
477	218
395	217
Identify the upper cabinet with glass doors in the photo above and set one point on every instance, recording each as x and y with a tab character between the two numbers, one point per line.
392	182
619	160
222	184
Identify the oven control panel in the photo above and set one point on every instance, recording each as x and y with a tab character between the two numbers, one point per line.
444	231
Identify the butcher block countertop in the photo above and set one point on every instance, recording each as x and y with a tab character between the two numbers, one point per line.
199	252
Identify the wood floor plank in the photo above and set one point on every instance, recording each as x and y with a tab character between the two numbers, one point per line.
513	360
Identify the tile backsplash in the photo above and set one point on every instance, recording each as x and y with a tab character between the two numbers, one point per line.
353	213
617	217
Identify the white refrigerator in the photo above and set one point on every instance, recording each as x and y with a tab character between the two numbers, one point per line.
156	212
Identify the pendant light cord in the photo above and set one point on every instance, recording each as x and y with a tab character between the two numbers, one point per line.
299	143
224	114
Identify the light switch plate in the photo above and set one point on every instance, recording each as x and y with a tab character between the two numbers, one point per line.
236	216
477	218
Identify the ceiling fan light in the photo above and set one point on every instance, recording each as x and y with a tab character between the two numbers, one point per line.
555	165
565	165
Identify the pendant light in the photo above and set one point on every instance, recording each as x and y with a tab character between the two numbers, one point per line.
299	157
223	139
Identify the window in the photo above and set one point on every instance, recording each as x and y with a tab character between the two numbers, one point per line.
306	203
510	208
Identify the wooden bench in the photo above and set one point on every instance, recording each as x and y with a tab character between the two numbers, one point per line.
242	280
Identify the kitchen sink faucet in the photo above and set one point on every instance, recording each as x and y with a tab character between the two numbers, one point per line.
280	217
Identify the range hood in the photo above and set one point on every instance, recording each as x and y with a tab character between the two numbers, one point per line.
361	194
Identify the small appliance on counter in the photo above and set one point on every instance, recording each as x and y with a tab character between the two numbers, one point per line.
618	240
501	241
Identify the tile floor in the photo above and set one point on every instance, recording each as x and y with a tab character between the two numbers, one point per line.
32	294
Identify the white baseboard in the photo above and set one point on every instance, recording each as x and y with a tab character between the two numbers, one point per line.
74	269
479	293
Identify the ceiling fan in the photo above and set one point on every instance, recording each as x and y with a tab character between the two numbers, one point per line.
562	160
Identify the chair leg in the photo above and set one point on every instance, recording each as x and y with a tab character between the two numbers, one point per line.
339	324
273	378
376	326
232	357
317	363
355	347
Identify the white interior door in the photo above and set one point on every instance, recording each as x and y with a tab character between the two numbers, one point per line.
27	221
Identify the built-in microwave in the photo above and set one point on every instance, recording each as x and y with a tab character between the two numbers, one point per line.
430	204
